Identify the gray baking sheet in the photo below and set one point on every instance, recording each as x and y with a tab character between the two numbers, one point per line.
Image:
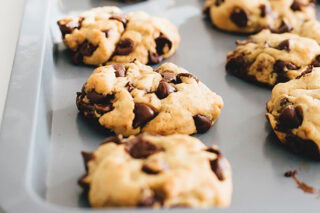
52	150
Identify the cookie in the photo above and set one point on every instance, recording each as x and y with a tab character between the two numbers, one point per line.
294	110
309	29
132	98
147	39
269	58
106	34
156	171
248	16
94	35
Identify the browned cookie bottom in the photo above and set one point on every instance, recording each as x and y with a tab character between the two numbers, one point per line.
306	148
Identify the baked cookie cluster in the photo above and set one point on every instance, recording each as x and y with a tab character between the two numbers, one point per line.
152	161
156	171
132	98
285	49
158	164
106	35
248	16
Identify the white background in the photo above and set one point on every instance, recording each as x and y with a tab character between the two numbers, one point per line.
10	18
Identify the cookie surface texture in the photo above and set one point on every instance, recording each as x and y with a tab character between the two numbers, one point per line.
105	34
248	16
269	58
132	98
157	171
293	112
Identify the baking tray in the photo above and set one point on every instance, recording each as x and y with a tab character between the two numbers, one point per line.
42	134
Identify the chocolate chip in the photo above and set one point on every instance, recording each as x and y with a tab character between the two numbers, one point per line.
284	45
281	68
87	156
238	66
103	108
154	58
296	5
140	148
219	2
202	123
70	26
149	170
164	89
239	17
99	103
84	107
284	27
265	9
168	76
130	87
290	173
316	61
307	71
86	48
292	66
112	139
143	113
97	98
162	42
120	70
106	32
187	75
213	150
124	47
218	166
67	28
291	117
120	18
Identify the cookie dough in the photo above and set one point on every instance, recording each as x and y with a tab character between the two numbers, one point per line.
157	171
294	111
269	58
248	16
133	98
106	34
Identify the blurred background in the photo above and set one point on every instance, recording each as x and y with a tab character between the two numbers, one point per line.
10	18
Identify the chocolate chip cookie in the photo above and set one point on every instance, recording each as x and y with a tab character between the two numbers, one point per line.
93	35
133	98
156	171
269	58
147	39
248	16
106	34
293	112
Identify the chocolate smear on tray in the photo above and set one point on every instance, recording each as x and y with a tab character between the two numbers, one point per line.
301	185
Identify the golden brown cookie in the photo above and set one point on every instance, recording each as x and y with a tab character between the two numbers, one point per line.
133	98
294	110
157	171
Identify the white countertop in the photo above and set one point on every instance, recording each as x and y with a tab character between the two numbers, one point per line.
10	18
